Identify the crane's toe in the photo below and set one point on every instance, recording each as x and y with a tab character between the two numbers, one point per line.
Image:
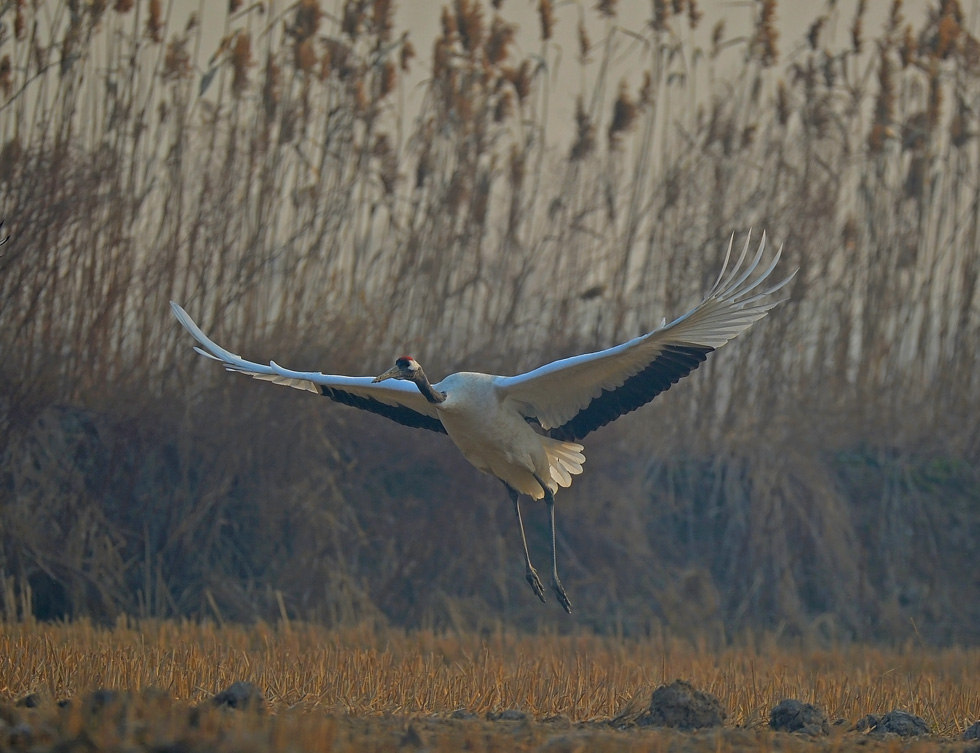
560	593
535	581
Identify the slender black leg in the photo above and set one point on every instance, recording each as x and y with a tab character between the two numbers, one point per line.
556	585
530	573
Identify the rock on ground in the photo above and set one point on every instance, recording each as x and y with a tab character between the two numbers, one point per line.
240	695
791	715
679	705
895	722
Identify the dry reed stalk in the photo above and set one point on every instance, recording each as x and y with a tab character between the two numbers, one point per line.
276	210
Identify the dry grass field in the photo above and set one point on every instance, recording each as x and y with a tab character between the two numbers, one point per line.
371	688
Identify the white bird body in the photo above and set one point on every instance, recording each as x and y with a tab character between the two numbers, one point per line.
501	442
525	429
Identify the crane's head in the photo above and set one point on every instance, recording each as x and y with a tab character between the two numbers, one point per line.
405	367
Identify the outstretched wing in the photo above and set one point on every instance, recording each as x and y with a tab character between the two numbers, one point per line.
575	396
398	400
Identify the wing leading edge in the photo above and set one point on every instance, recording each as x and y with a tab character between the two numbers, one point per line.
574	396
399	401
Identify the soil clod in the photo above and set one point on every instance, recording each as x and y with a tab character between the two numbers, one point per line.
791	715
509	715
240	695
412	738
895	722
679	705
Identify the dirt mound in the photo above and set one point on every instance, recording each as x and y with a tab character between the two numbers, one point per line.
790	715
895	722
679	705
240	695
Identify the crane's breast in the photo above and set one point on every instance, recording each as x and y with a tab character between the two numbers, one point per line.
491	434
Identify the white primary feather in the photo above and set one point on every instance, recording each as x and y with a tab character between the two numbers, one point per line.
391	393
555	393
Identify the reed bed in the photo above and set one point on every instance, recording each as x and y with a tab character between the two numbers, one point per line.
819	474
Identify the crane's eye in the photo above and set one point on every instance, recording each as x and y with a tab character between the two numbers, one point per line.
405	362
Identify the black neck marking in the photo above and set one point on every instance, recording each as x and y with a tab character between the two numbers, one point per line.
428	392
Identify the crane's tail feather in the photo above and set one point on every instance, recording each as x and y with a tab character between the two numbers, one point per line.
565	460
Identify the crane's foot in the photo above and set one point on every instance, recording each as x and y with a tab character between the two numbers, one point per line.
560	594
535	581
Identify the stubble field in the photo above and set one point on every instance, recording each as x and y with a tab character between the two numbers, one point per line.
370	688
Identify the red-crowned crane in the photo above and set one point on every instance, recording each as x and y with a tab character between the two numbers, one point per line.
524	429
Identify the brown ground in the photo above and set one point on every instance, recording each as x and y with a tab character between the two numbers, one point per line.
159	725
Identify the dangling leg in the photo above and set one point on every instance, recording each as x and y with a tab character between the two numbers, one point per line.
530	573
549	498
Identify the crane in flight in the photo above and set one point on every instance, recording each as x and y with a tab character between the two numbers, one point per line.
525	429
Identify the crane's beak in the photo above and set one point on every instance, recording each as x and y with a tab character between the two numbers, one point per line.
391	373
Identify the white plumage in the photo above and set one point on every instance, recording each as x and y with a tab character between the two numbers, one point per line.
524	429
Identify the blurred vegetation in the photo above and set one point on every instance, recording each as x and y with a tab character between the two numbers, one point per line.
819	477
